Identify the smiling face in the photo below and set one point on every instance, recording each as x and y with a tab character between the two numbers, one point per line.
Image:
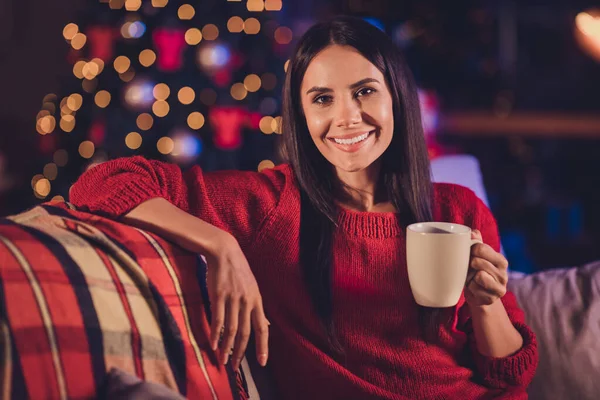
348	109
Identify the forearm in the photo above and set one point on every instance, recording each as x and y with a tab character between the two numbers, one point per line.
159	216
495	334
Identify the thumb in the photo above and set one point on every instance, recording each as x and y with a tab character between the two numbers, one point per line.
476	234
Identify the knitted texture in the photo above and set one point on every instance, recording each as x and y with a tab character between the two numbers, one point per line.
376	317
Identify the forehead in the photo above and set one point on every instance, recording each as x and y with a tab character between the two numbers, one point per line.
339	66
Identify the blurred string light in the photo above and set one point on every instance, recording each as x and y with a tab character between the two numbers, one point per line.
74	101
213	56
273	5
159	3
186	12
42	187
139	94
89	85
133	5
266	125
50	171
161	91
587	32
35	180
58	198
133	29
268	106
210	32
116	4
264	164
238	91
121	64
102	99
252	83
283	35
61	157
87	149
144	121
78	68
251	26
78	41
46	125
186	146
70	30
255	5
235	24
193	36
276	125
165	145
186	95
147	57
160	108
195	120
67	123
133	140
208	96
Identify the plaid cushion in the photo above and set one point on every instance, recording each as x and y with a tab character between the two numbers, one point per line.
80	294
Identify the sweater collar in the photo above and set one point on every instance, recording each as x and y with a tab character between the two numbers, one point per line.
370	224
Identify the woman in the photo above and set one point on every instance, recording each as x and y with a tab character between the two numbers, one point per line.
324	238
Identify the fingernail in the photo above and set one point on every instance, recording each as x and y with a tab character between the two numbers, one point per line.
225	359
214	346
262	359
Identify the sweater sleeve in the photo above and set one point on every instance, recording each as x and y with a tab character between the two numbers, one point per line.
517	369
235	201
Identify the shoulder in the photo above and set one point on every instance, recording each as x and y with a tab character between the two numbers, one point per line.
457	202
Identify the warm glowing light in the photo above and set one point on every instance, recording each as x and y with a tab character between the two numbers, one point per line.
273	5
67	123
133	5
235	24
144	121
122	64
147	57
283	35
266	125
252	83
42	114
36	179
238	91
42	187
61	157
78	41
87	149
588	24
255	5
50	97
165	145
74	101
195	120
90	70
208	97
116	4
265	164
193	36
160	108
251	26
159	3
286	65
186	95
127	76
46	125
78	69
133	140
102	99
587	32
50	171
99	63
70	30
161	91
210	32
186	12
59	198
49	106
269	81
276	125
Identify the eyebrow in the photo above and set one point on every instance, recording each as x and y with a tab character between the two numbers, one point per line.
322	89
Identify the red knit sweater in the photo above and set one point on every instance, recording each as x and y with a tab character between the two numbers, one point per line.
375	314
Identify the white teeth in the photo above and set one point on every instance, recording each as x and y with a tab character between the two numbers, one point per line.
353	140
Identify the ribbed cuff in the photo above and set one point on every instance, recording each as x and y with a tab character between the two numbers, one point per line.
130	196
515	370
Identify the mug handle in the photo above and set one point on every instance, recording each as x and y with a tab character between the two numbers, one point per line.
471	273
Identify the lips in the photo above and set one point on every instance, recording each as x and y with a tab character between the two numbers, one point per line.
352	143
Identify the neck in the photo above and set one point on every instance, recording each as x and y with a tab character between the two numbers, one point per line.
362	190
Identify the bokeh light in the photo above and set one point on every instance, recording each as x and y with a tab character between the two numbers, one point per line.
186	12
186	95
186	146
276	125
235	24
87	149
195	120
210	32
273	5
102	99
133	5
133	140
252	83
78	69
159	3
74	101
144	121
238	91
251	26
266	125
121	64
147	57
160	108
255	5
193	36
70	30
161	91
165	145
67	123
42	187
61	157
139	94
208	96
50	171
78	41
89	86
283	35
265	164
269	81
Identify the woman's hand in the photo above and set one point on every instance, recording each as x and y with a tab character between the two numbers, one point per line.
236	303
488	275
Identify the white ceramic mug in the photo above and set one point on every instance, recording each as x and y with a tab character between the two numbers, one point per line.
437	255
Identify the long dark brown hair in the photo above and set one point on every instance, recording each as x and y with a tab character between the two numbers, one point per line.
405	171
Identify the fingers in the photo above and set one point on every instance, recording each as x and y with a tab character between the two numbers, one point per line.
218	319
241	339
486	252
485	288
231	328
260	324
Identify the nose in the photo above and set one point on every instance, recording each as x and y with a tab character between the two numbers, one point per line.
348	113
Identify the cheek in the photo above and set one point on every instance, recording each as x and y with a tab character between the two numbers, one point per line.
317	124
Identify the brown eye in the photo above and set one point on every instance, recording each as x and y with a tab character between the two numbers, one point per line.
322	100
365	91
